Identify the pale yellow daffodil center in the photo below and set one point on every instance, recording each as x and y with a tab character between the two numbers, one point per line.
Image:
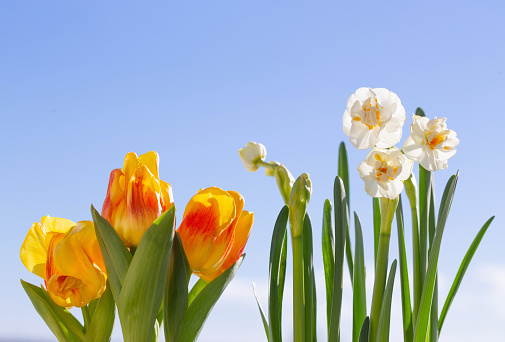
371	115
384	171
434	138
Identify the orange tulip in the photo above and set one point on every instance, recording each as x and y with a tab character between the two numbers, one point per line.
136	197
67	256
214	231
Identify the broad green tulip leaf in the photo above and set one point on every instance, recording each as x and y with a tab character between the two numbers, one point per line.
144	284
92	307
358	284
385	317
102	320
376	226
195	290
328	257
276	272
200	308
461	272
343	173
61	322
420	112
308	279
116	256
363	334
262	313
404	277
175	301
341	219
421	326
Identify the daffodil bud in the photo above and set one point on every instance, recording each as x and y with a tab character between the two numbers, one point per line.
285	181
252	154
300	196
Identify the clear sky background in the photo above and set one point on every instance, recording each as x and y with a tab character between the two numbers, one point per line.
83	83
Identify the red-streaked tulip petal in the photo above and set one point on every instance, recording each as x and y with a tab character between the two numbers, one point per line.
242	231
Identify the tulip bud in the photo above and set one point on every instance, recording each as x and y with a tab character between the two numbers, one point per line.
300	196
252	154
285	181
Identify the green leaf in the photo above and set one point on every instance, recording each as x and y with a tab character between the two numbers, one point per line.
308	279
341	219
328	246
461	272
200	308
343	173
376	225
420	112
195	290
363	334
404	277
102	321
116	256
46	310
358	284
276	275
424	206
262	313
434	303
385	316
421	327
144	284
175	301
92	307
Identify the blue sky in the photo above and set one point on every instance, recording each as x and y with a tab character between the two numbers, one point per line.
83	83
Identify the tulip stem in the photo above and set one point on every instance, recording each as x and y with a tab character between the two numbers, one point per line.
298	304
86	317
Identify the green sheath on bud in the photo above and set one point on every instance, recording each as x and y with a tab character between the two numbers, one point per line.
300	196
285	182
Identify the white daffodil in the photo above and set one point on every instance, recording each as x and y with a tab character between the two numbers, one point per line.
252	154
384	171
430	143
373	117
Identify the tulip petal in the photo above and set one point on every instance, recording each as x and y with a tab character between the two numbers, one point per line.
151	160
242	231
34	248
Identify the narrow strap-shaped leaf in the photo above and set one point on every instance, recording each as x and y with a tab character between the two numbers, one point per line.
404	277
424	207
200	308
102	321
308	278
45	309
92	307
116	256
328	257
144	284
341	219
275	268
363	334
461	272
358	284
343	173
385	317
262	313
175	301
421	326
434	303
314	308
195	290
376	226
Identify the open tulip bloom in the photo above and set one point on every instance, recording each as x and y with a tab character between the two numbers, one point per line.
373	119
132	258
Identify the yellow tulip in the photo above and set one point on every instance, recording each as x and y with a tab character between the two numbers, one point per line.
136	197
214	231
67	256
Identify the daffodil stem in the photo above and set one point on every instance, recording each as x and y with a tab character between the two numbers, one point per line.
86	317
265	164
388	208
298	304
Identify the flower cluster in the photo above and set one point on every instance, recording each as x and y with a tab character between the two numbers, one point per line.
214	232
374	118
